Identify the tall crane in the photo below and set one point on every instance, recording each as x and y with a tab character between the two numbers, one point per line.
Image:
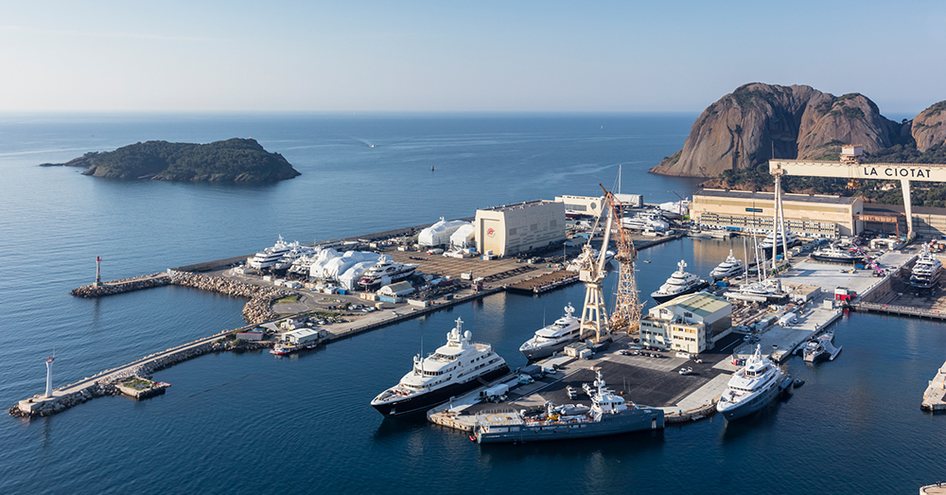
627	307
594	314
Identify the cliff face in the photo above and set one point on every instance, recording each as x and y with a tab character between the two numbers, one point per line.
746	127
929	127
233	160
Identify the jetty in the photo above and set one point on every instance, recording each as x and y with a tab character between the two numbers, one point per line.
104	383
544	283
934	398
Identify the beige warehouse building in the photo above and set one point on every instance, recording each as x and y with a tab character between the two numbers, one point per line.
512	229
807	215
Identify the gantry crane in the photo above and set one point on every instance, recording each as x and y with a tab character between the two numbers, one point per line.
594	314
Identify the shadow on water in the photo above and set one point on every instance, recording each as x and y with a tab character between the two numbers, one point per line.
639	443
746	426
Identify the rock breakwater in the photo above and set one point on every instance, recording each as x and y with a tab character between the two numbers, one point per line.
259	308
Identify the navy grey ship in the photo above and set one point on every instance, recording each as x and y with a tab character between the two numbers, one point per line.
609	414
455	367
752	387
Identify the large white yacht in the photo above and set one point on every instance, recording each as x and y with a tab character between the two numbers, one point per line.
752	387
295	252
386	271
553	338
680	282
269	256
926	271
730	267
454	368
644	220
302	264
790	239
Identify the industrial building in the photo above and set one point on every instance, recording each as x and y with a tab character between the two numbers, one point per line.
807	215
591	205
512	229
689	323
890	219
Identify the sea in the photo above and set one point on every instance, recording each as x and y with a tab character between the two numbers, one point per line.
252	423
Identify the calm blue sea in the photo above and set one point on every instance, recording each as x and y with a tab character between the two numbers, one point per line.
247	423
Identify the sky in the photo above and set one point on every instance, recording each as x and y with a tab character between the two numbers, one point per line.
442	56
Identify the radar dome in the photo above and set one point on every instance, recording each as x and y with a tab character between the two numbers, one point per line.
467	335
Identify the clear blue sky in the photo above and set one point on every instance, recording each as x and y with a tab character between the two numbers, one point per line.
507	55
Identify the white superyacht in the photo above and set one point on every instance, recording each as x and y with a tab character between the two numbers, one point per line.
456	367
386	271
553	338
752	387
680	282
732	266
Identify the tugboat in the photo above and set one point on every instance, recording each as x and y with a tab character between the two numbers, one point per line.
820	348
731	266
553	338
752	387
609	414
454	368
680	283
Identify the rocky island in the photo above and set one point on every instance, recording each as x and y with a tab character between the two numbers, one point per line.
732	140
242	161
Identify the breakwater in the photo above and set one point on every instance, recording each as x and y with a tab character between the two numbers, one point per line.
122	285
258	309
104	383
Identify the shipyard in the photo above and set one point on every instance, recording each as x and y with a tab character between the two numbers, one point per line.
698	345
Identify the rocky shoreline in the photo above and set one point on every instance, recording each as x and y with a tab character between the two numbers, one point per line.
259	308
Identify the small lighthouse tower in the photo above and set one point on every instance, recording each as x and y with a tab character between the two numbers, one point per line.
98	271
49	376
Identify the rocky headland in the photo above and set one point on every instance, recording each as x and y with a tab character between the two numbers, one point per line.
759	121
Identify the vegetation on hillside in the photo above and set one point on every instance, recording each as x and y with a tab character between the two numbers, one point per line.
232	160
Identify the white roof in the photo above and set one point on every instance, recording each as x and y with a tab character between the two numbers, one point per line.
302	332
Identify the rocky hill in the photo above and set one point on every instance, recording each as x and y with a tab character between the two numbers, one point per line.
233	160
929	127
745	128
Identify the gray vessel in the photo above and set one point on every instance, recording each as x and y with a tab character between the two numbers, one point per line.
609	414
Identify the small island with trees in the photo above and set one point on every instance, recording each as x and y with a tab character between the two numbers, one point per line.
238	161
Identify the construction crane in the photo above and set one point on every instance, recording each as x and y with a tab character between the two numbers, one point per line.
594	314
627	307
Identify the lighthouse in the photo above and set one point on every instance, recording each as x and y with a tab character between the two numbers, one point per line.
49	376
98	271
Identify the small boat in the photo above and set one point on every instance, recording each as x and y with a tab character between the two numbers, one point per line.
820	348
798	382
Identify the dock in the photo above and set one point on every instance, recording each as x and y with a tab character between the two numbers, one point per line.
545	282
934	398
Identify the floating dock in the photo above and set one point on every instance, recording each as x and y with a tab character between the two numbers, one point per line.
934	398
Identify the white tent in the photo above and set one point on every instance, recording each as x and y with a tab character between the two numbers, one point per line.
349	279
463	236
338	266
317	270
439	233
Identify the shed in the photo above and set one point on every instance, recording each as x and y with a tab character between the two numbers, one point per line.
398	289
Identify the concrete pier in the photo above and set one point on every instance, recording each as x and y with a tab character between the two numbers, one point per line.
934	398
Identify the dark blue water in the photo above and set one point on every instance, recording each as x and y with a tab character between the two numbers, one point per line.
247	423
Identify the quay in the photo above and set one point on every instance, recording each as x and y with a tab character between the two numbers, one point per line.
934	398
545	283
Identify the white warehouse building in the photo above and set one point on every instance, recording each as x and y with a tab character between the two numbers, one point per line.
512	229
439	233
